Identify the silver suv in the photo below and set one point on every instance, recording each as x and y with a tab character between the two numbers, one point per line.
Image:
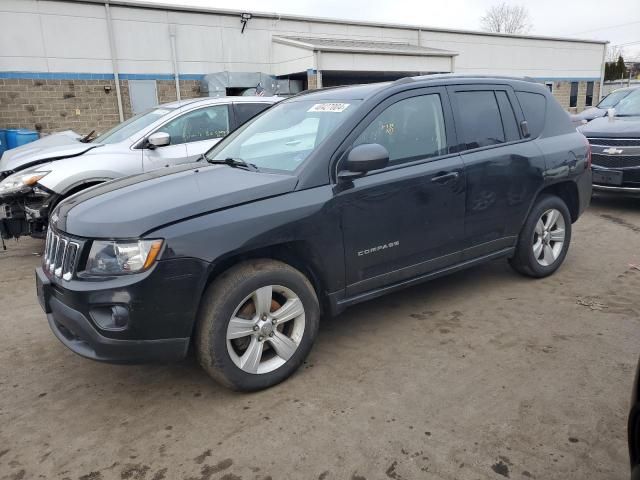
37	176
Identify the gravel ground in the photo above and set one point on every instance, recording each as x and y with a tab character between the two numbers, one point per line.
483	374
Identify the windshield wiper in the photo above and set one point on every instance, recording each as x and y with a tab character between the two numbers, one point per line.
87	137
234	163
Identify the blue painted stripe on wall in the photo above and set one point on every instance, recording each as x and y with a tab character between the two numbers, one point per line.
96	76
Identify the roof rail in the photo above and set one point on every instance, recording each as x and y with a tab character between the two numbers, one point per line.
402	80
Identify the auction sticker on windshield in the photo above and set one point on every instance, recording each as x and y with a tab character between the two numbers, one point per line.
329	107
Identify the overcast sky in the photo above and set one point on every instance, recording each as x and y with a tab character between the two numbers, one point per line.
617	21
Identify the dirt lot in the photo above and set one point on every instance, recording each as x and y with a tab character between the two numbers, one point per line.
483	374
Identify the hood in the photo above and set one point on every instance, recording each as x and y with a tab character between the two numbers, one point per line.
588	114
620	127
51	147
132	206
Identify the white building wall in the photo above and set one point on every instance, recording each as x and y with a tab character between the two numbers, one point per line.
483	54
63	36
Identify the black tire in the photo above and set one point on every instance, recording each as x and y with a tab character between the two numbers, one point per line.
220	301
524	261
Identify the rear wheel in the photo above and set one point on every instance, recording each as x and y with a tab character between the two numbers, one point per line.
544	239
257	324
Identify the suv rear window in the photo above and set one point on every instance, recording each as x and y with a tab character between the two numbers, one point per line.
534	108
481	121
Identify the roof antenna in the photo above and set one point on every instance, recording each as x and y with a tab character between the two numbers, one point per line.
244	18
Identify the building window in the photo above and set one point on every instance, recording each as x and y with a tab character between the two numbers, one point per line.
589	99
573	97
549	86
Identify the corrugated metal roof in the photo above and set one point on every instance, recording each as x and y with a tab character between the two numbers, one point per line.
361	46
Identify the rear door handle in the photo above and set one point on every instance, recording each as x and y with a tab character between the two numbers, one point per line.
444	177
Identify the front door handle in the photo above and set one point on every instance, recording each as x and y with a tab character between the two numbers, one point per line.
444	177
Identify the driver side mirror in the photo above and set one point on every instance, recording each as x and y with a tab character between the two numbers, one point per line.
363	159
158	139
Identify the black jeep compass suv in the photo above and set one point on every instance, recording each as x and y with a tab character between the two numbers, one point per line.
325	200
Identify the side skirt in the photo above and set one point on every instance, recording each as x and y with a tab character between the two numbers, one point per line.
338	304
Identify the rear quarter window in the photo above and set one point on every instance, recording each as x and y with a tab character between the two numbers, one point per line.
534	107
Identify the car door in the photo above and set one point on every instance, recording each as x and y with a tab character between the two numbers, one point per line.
192	133
503	169
408	219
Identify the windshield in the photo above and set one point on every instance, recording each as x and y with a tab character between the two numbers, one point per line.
124	130
285	135
612	99
629	106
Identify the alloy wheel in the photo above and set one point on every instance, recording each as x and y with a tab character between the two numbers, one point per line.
549	237
266	329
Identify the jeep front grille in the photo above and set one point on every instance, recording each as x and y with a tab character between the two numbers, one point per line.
60	255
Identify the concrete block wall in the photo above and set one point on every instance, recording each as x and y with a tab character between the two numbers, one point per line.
562	93
50	106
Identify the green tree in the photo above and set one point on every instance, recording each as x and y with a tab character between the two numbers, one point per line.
621	70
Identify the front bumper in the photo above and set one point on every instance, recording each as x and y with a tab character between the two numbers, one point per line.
612	189
160	306
629	182
25	214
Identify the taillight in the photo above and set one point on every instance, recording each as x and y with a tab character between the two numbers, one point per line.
588	153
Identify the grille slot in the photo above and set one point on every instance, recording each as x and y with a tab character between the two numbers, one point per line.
615	142
60	255
616	161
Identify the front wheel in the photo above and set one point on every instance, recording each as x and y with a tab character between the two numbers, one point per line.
544	239
257	324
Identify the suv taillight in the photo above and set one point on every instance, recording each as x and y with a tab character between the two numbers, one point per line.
588	153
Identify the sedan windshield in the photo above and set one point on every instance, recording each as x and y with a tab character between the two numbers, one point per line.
629	106
612	99
285	135
124	130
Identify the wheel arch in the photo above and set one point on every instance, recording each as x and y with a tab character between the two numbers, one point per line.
76	188
297	254
568	192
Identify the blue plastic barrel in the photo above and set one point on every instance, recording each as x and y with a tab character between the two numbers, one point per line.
26	136
20	136
3	140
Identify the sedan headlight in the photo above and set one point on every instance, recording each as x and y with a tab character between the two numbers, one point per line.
19	182
121	257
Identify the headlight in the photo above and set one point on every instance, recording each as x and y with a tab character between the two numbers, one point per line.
19	182
121	257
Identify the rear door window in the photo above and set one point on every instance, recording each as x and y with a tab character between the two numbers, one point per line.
534	108
246	111
508	117
480	118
